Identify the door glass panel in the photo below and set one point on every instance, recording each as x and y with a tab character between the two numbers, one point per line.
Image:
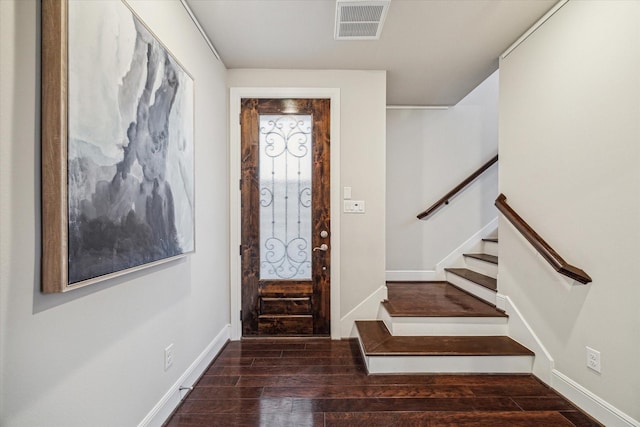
285	197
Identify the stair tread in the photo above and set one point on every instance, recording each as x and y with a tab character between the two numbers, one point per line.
490	239
482	280
377	341
435	299
484	257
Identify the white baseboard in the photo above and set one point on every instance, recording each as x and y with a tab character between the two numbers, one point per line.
456	255
521	331
170	401
595	406
543	368
412	276
366	310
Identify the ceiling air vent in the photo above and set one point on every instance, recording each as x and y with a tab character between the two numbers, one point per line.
360	19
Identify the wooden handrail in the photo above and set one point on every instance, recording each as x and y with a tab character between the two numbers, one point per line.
445	199
543	248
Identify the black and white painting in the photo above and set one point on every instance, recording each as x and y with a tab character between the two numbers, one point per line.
130	144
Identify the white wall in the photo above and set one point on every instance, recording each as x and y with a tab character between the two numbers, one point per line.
362	159
95	356
569	164
428	153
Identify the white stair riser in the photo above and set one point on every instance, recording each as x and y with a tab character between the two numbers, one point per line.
473	288
490	248
449	364
443	326
483	267
361	345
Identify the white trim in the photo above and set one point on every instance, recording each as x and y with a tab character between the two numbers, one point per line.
367	309
443	326
236	93
594	405
412	276
449	364
172	398
501	302
201	30
521	331
533	28
417	107
456	255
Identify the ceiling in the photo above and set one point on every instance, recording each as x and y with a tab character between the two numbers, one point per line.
434	51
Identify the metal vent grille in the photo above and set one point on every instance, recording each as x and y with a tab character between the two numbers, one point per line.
358	29
361	13
360	19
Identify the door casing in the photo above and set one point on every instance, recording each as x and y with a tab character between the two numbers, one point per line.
234	195
273	303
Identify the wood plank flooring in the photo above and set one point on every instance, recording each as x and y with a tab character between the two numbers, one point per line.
319	382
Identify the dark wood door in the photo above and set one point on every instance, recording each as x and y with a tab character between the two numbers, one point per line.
285	217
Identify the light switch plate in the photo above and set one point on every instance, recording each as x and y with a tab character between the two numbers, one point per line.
347	193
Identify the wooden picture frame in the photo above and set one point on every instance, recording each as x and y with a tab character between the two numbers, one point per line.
121	200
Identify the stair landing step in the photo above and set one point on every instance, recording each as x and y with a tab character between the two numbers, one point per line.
484	257
435	299
474	276
377	341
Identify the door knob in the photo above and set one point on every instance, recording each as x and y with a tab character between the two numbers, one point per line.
323	247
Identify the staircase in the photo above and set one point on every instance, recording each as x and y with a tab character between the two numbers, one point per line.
445	327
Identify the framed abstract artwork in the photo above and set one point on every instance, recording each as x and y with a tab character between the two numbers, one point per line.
117	130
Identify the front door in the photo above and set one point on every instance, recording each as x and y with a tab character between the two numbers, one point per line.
285	217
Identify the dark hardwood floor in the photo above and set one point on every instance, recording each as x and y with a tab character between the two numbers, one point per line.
435	299
318	382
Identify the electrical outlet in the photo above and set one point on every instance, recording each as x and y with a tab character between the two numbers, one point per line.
593	359
168	356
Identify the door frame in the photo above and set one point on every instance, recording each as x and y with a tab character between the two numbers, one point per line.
235	95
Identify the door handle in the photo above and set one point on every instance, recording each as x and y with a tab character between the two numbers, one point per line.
323	247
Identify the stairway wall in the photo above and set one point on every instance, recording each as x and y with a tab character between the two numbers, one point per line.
428	153
569	153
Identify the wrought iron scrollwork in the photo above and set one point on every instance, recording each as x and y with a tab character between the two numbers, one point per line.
285	196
